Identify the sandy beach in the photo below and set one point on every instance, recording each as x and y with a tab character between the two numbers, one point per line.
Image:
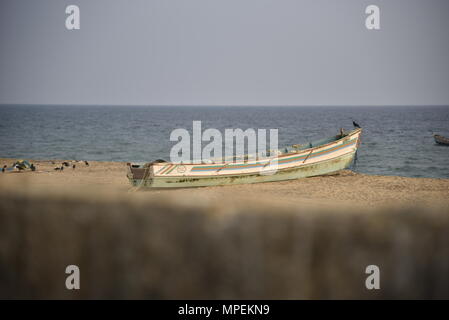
344	187
302	239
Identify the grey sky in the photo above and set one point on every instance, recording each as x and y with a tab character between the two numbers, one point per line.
225	52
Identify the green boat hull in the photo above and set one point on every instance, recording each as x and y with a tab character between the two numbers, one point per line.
304	171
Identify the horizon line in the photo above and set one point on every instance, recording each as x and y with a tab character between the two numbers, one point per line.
217	105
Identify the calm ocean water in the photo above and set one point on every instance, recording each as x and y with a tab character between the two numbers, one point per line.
395	141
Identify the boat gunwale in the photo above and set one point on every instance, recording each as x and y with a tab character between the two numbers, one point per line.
295	156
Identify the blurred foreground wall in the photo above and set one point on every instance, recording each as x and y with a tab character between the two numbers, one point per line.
132	247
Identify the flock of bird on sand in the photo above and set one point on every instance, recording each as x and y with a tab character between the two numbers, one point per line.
67	164
21	167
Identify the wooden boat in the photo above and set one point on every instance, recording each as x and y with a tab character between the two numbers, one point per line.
441	140
299	161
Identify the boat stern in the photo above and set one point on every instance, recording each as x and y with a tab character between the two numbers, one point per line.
139	174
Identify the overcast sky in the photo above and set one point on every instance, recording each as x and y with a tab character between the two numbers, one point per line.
225	52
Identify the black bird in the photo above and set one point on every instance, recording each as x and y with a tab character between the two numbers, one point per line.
355	124
32	167
65	163
4	168
62	168
57	168
86	163
73	167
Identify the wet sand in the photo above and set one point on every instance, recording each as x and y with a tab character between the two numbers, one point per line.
344	187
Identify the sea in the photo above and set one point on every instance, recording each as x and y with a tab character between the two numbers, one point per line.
396	140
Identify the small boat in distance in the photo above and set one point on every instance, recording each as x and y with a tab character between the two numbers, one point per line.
441	140
298	161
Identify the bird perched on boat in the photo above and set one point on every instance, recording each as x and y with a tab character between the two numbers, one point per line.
355	124
86	163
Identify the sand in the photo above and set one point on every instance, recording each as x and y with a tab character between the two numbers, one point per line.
344	187
304	239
